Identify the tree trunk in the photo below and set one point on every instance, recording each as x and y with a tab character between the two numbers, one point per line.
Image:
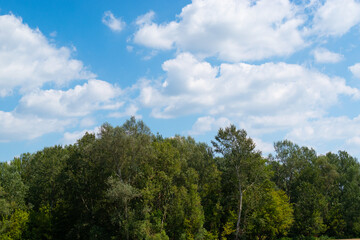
239	214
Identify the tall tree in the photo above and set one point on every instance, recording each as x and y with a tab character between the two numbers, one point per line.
242	165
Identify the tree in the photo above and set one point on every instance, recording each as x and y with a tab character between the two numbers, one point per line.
242	165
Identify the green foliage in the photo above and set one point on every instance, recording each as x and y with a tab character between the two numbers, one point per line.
14	189
13	226
230	225
40	224
272	216
13	214
126	183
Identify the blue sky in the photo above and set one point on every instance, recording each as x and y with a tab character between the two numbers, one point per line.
279	69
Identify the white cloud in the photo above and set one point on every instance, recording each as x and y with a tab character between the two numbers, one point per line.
207	124
28	60
76	102
247	30
131	110
330	128
265	99
269	89
156	36
27	127
268	98
232	30
329	134
146	18
336	17
269	124
264	147
87	122
355	69
323	55
47	111
72	137
354	141
149	56
115	24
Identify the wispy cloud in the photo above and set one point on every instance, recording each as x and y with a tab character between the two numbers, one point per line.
322	55
115	24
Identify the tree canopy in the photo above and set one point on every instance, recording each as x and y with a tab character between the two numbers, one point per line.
128	183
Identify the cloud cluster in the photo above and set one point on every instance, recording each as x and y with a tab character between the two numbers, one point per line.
263	98
28	62
213	74
241	89
247	30
229	29
331	128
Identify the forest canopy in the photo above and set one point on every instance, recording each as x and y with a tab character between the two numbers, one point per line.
128	183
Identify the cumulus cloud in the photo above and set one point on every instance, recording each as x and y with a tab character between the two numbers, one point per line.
47	111
330	128
329	134
194	86
76	102
264	99
248	30
336	17
115	24
208	123
229	29
323	55
28	60
20	127
153	35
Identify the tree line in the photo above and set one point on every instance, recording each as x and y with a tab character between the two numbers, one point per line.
128	183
